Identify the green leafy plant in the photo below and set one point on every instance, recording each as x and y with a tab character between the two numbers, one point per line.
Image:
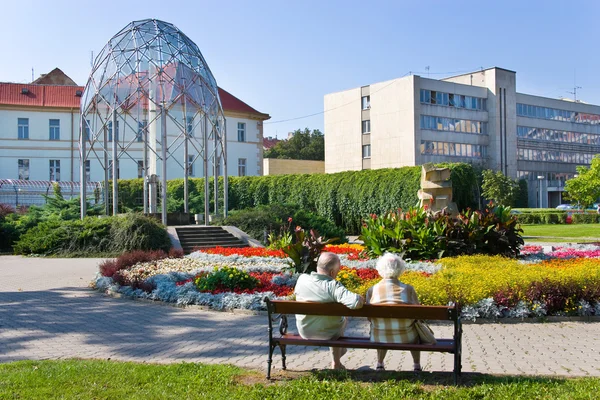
419	234
229	278
306	250
283	239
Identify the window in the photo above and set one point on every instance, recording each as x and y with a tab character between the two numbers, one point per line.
366	102
452	100
241	167
190	165
140	168
453	125
452	149
366	151
141	131
87	171
55	170
86	129
190	126
526	110
366	127
55	129
23	128
241	132
110	131
23	170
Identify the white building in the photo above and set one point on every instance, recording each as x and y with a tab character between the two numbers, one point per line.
477	117
39	133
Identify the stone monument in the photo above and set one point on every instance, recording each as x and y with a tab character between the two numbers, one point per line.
436	189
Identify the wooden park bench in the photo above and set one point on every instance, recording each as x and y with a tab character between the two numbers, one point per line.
279	309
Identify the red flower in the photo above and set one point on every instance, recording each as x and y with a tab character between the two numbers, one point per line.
245	251
290	219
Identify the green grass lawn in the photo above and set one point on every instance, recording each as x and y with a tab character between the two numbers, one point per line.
570	231
79	379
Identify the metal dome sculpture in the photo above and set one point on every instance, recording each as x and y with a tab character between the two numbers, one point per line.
153	86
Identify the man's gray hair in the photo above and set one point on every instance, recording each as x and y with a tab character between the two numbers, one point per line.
390	266
328	262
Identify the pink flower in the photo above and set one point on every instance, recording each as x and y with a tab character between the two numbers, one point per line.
290	219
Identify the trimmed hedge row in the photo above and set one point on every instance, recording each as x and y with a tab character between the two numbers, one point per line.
557	217
344	198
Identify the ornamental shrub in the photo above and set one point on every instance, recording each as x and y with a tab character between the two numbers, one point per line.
421	235
94	236
138	232
229	278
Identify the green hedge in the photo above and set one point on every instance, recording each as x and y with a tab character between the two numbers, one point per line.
556	217
585	218
343	198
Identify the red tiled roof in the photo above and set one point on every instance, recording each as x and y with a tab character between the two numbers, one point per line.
65	96
232	103
269	142
39	95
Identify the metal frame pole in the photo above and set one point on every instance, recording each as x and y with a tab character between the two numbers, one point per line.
145	177
115	165
82	177
216	161
106	202
225	179
186	193
163	149
205	167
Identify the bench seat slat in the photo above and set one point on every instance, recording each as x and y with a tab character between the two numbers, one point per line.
369	310
443	345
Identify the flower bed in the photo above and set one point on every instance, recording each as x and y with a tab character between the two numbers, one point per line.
565	281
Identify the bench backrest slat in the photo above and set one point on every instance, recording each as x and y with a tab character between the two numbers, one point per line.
374	311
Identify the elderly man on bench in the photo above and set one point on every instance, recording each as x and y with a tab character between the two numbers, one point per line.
321	287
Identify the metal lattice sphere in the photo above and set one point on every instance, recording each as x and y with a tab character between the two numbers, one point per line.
152	100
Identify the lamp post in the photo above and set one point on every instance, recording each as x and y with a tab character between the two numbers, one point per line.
540	179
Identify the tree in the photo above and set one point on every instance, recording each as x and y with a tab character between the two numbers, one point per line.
500	188
303	145
585	188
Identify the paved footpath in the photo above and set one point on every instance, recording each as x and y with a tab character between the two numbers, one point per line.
48	312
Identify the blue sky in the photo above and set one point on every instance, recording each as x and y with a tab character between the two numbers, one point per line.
282	57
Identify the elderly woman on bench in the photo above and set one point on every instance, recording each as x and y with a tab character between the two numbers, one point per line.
391	291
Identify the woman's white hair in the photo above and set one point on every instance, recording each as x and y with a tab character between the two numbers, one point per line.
390	266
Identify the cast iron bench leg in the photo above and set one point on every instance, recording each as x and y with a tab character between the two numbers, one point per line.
270	360
282	348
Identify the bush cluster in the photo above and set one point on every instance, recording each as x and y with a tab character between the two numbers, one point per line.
421	235
94	235
273	218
